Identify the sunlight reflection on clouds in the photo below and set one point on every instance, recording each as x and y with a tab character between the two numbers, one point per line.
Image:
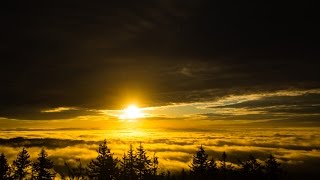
292	146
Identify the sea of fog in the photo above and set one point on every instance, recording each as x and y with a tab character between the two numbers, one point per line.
297	149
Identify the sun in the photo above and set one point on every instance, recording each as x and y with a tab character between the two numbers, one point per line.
131	112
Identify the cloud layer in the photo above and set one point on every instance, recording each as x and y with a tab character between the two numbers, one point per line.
296	148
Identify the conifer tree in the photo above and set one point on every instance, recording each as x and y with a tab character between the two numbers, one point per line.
223	164
154	165
124	168
22	165
251	168
4	167
168	175
223	161
128	165
272	167
104	167
199	163
212	168
131	162
143	163
42	169
183	175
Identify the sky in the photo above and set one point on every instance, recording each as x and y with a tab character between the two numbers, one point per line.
214	61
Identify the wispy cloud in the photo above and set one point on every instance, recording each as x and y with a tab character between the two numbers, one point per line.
58	109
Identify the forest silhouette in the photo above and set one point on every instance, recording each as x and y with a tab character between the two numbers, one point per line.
135	164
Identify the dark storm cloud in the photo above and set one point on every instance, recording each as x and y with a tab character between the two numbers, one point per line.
93	55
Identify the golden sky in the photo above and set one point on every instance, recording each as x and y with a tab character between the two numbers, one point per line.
281	108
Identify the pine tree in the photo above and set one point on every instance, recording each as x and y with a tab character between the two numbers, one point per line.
251	168
223	165
223	161
143	163
154	165
4	167
199	163
43	168
131	163
272	167
128	165
168	175
22	165
104	167
183	175
124	168
212	168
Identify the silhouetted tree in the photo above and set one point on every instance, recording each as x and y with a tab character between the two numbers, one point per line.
154	165
272	167
212	168
223	161
42	169
104	167
4	167
199	163
128	165
167	175
137	165
124	173
143	163
223	169
22	165
183	175
251	169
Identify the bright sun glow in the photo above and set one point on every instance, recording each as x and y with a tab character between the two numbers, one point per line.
131	112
